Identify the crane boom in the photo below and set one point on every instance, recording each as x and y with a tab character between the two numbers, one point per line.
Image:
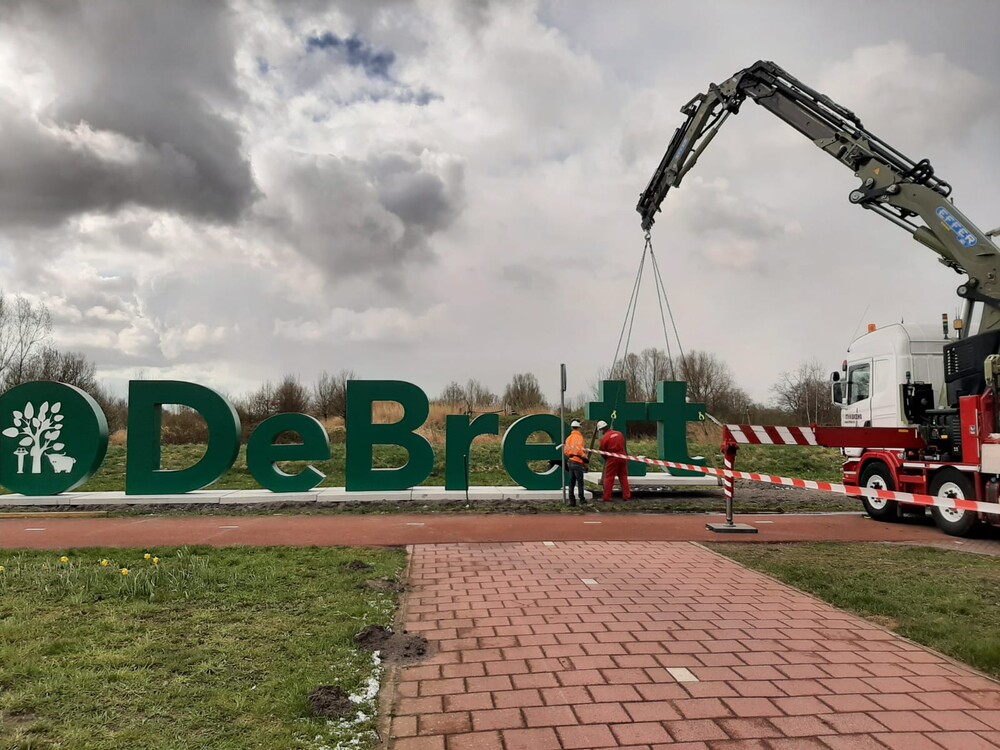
904	191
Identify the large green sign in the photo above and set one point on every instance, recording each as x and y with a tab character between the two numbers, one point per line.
54	437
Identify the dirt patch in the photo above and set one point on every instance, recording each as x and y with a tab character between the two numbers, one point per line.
394	648
19	717
385	584
358	565
330	702
886	622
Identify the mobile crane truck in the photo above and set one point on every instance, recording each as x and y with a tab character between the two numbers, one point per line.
902	435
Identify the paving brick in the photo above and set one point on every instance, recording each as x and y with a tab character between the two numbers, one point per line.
449	723
404	726
853	723
498	718
904	721
748	707
955	721
906	741
586	737
961	741
749	728
702	708
531	739
651	711
602	713
420	743
801	726
796	743
560	696
646	732
474	741
548	716
468	702
695	729
859	742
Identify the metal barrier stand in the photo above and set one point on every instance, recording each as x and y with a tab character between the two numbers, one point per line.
729	449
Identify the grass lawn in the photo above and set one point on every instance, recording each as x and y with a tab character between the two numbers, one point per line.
206	648
947	600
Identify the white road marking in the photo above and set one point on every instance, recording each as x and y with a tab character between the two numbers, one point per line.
34	529
591	521
549	544
416	524
229	527
589	581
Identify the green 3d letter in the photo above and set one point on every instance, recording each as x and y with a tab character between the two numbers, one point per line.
143	475
263	454
460	433
363	436
517	452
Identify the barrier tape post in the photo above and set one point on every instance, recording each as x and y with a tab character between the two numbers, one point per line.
729	448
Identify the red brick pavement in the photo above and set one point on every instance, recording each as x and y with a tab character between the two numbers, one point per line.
532	655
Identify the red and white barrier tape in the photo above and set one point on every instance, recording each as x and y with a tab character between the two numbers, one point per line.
751	434
808	484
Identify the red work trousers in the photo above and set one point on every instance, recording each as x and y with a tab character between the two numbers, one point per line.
616	467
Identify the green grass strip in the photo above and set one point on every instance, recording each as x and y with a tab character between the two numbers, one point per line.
192	648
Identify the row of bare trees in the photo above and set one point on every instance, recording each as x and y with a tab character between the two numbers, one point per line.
799	397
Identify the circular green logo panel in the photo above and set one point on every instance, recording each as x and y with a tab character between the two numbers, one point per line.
53	437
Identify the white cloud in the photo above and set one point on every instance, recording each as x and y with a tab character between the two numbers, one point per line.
217	202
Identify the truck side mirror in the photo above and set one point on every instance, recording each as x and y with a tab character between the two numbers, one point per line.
836	389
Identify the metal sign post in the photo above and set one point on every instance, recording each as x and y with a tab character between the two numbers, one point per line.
562	427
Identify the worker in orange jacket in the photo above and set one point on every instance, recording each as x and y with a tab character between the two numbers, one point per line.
576	460
613	441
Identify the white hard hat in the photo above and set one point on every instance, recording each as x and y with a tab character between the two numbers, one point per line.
602	425
575	423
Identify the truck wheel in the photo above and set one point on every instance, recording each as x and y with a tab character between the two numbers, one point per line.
953	483
877	476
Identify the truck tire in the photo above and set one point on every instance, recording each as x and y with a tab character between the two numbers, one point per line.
878	476
953	483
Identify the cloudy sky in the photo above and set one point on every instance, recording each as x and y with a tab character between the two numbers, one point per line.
226	192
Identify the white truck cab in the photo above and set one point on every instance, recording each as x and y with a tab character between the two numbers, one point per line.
868	389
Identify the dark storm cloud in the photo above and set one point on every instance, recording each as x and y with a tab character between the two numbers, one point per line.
356	53
363	218
135	116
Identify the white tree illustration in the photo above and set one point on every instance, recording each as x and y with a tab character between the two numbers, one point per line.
39	431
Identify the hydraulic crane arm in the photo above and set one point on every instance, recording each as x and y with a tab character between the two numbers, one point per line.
904	191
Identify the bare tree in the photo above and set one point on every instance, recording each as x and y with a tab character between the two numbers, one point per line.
478	394
24	327
49	363
291	396
708	378
453	394
330	394
805	394
523	392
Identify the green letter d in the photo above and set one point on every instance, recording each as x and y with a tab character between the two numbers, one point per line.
143	475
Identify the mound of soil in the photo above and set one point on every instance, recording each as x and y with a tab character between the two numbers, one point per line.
385	584
358	565
330	702
394	648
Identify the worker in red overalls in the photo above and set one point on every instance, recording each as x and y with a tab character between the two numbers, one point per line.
613	441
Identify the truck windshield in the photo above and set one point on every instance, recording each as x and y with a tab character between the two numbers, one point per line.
858	382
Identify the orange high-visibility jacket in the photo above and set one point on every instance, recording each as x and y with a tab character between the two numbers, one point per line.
574	447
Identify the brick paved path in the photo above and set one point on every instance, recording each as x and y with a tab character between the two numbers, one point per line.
660	645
